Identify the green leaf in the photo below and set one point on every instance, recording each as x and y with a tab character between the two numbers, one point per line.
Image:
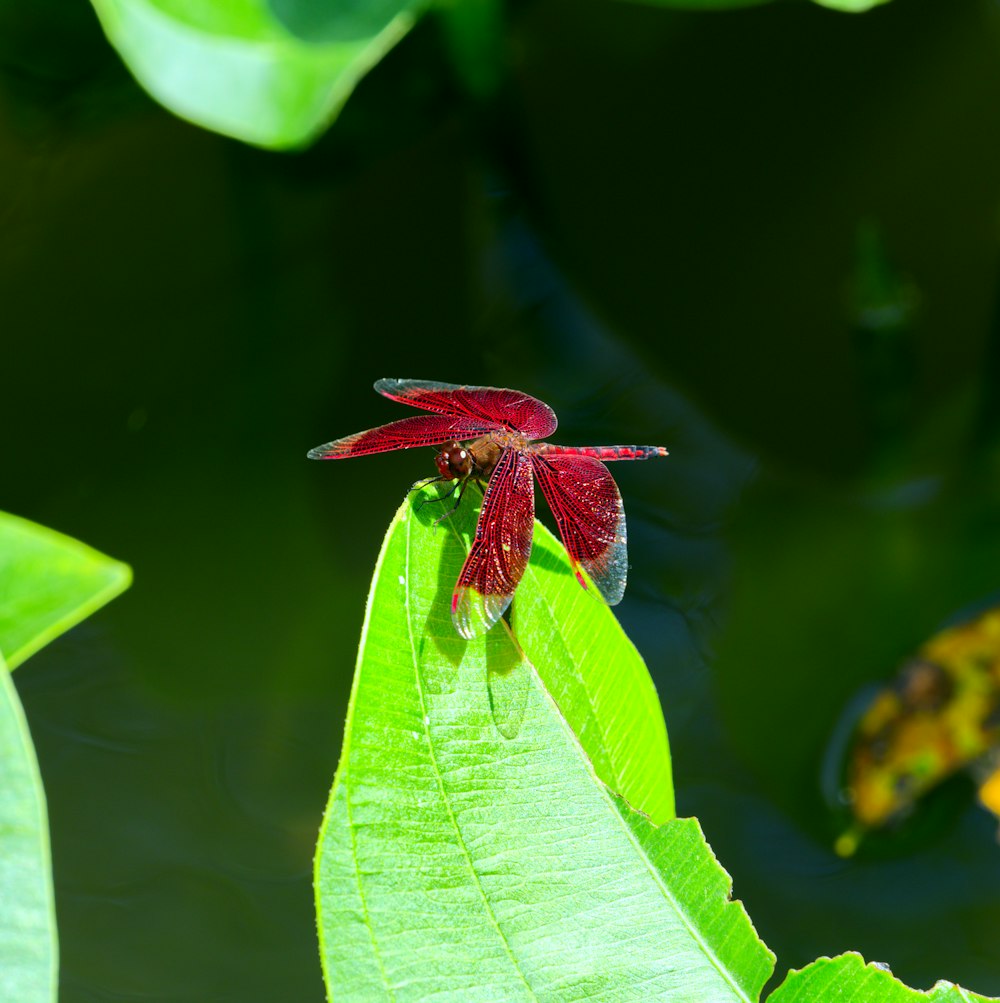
48	583
28	945
271	74
597	678
458	863
848	978
851	6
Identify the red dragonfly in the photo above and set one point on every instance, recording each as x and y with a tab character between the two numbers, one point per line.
500	423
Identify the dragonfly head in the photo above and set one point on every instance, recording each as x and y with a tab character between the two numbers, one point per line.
453	461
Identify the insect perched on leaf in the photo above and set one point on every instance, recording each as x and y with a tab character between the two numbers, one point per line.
485	434
941	714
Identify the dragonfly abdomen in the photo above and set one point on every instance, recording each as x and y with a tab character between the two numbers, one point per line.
605	453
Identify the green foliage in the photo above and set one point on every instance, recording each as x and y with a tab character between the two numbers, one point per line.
476	844
848	978
851	6
469	848
271	74
596	677
49	583
277	73
28	944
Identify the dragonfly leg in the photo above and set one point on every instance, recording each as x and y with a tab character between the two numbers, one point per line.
431	501
458	501
417	485
462	485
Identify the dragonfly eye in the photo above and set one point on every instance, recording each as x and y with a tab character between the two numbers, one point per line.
453	461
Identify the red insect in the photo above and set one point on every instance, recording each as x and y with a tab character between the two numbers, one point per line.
501	424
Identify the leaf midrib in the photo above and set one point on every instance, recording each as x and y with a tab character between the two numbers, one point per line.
425	719
681	913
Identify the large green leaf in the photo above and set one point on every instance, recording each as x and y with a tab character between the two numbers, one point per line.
271	74
849	979
28	945
469	851
48	583
596	677
277	73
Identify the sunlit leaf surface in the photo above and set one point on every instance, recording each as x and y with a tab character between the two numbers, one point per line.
464	860
271	74
597	678
849	979
48	583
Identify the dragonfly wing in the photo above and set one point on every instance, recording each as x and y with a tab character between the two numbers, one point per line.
501	408
500	551
423	430
588	510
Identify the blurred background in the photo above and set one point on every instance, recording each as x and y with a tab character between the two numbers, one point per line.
764	238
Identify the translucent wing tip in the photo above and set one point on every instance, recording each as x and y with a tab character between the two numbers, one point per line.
474	613
608	577
395	388
335	450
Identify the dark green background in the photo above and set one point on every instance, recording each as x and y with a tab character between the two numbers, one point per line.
655	229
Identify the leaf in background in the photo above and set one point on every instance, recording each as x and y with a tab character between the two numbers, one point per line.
48	583
28	944
459	863
596	677
851	6
236	66
848	978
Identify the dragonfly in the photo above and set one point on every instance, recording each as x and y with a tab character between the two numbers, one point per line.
487	435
